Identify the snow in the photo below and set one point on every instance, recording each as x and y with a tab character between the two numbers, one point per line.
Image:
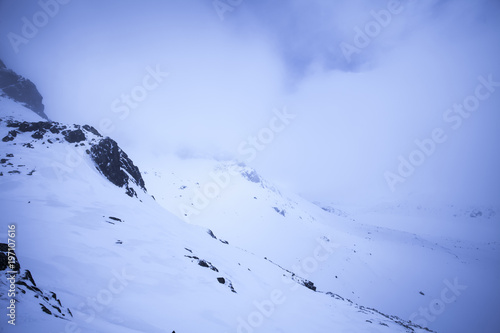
385	255
139	275
10	109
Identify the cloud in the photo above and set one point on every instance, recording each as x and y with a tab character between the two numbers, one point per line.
354	118
354	125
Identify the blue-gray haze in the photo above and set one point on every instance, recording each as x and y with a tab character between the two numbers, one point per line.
385	99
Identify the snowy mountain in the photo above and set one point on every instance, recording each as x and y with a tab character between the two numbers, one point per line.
396	257
21	90
198	245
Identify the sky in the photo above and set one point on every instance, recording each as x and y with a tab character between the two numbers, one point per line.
339	101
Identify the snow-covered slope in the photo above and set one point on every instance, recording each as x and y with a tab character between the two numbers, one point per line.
397	257
213	247
113	262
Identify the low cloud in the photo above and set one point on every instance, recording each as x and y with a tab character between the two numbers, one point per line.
355	115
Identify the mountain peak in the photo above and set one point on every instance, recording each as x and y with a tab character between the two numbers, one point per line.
21	90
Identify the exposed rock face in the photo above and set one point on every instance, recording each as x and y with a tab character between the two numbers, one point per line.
71	134
115	165
21	90
26	288
111	161
251	175
109	158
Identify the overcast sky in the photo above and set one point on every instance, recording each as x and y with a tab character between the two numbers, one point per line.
361	80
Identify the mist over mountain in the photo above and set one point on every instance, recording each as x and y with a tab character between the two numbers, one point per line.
21	90
365	80
94	168
236	166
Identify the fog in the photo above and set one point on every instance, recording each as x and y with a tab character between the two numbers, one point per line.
355	85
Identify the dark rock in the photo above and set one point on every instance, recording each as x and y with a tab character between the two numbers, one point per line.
211	234
222	280
116	166
21	90
251	176
27	275
131	192
475	213
44	309
203	263
91	130
10	136
5	252
38	134
48	301
55	129
74	136
32	127
279	211
308	284
32	288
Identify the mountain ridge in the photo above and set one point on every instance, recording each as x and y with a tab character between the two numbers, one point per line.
21	90
250	257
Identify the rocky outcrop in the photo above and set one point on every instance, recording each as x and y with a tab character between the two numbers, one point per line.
21	90
116	166
18	284
71	134
110	160
251	175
